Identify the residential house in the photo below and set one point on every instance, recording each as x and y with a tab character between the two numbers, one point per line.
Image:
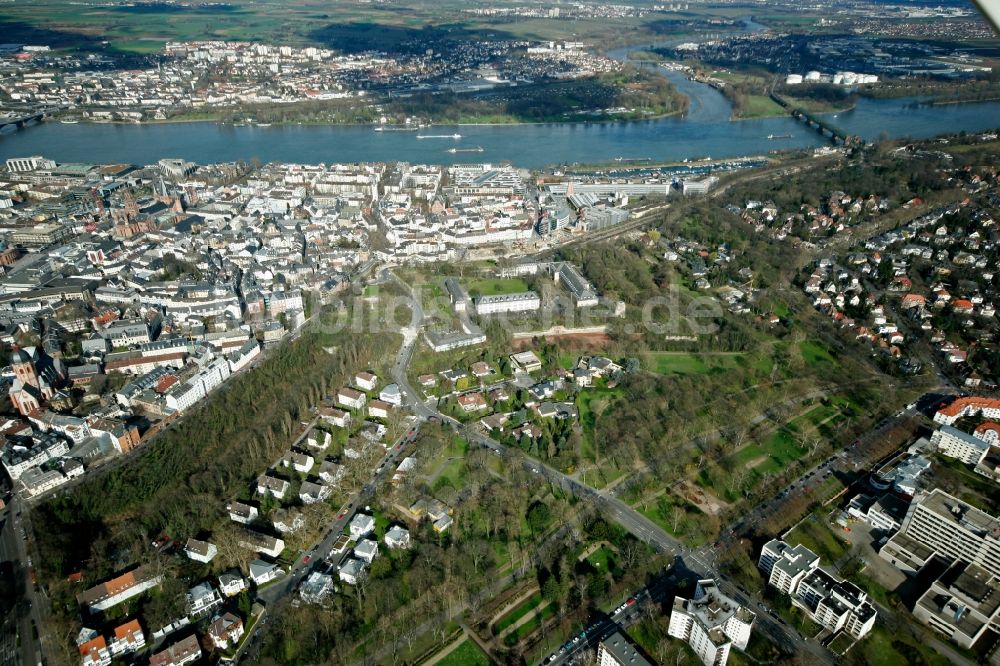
127	638
472	402
351	571
202	598
316	587
318	439
200	551
242	513
361	525
231	584
226	631
379	409
263	572
397	537
337	417
365	381
95	652
526	361
366	550
310	492
300	462
350	398
113	592
262	543
272	485
185	651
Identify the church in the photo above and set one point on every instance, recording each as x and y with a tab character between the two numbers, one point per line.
37	378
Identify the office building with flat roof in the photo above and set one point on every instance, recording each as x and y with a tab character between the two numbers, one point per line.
942	525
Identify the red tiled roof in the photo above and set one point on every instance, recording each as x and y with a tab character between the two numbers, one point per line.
974	403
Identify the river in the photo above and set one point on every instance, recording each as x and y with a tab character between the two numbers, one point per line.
705	131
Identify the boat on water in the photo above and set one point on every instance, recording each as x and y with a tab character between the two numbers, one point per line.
439	136
477	149
396	128
779	136
66	121
263	124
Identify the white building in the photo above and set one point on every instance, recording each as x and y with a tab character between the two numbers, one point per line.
200	551
272	485
955	443
350	398
361	525
962	604
365	381
263	572
835	604
316	587
242	513
615	650
711	623
397	537
942	525
527	301
127	638
366	550
231	584
202	598
351	571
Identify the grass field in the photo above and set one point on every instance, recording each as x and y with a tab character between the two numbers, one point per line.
466	654
531	626
601	559
518	612
772	454
816	535
673	363
586	402
761	106
494	286
882	648
815	354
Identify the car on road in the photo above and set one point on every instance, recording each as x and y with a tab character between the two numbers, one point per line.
307	559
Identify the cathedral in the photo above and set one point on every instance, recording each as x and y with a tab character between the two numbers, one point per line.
37	378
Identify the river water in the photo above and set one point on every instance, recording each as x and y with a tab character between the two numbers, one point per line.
705	131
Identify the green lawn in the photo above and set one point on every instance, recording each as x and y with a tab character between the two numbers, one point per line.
779	450
493	286
585	402
371	290
518	612
530	626
601	558
816	535
882	648
815	354
466	654
672	363
761	106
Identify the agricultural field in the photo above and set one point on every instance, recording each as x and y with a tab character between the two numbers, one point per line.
350	27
